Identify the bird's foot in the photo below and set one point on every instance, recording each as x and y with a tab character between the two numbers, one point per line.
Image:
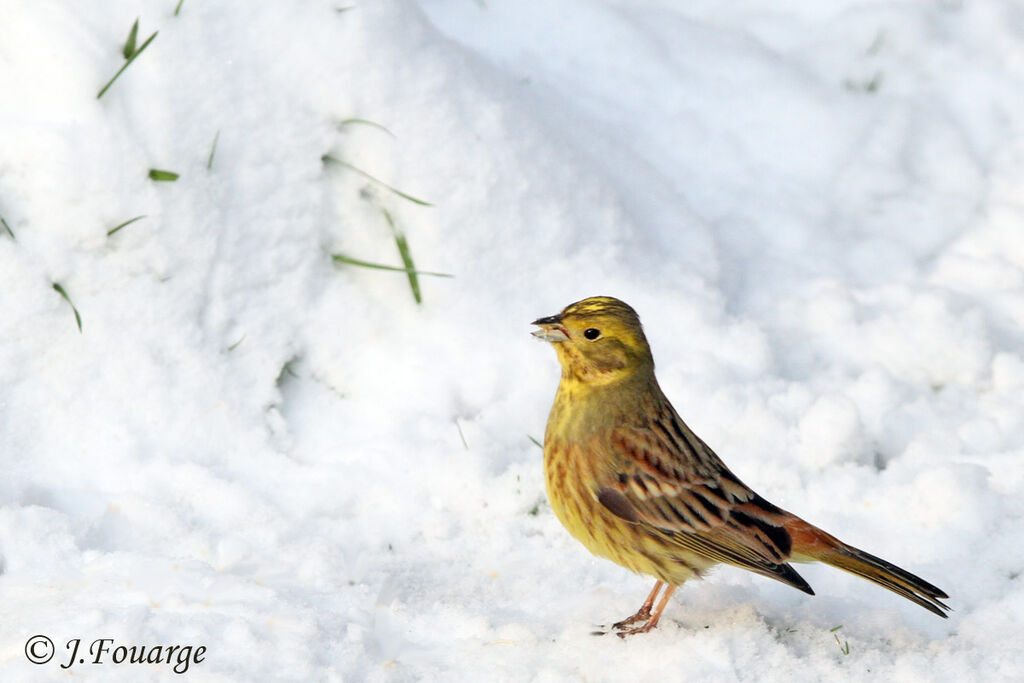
622	628
650	624
643	615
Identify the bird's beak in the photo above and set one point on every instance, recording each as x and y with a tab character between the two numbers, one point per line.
551	330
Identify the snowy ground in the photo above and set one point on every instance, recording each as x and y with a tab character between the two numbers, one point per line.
818	213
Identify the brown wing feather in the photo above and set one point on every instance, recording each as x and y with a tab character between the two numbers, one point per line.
662	475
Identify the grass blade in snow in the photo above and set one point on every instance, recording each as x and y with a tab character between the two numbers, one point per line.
129	45
124	225
60	290
342	258
213	150
367	122
406	255
328	159
126	64
162	176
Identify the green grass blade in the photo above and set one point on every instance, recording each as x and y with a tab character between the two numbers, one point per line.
60	290
124	225
162	176
327	158
213	150
129	45
367	122
7	229
538	443
126	65
406	255
465	446
342	258
410	267
178	8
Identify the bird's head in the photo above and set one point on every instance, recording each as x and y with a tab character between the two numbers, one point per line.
598	340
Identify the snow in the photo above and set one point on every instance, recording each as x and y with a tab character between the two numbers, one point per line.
816	208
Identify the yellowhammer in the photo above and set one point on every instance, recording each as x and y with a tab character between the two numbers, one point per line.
628	478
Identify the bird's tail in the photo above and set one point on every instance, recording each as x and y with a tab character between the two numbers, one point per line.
812	544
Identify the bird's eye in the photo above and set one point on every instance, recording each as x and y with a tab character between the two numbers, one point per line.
591	333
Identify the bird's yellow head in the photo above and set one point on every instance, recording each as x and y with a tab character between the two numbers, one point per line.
598	340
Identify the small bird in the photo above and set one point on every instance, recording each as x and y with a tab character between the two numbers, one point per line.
634	484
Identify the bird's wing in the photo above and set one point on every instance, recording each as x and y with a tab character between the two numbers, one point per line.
663	476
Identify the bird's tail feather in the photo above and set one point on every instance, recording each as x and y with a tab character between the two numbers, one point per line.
813	544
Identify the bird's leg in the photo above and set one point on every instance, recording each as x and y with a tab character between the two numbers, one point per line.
645	610
653	621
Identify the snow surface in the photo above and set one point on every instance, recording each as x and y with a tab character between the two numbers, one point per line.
816	207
